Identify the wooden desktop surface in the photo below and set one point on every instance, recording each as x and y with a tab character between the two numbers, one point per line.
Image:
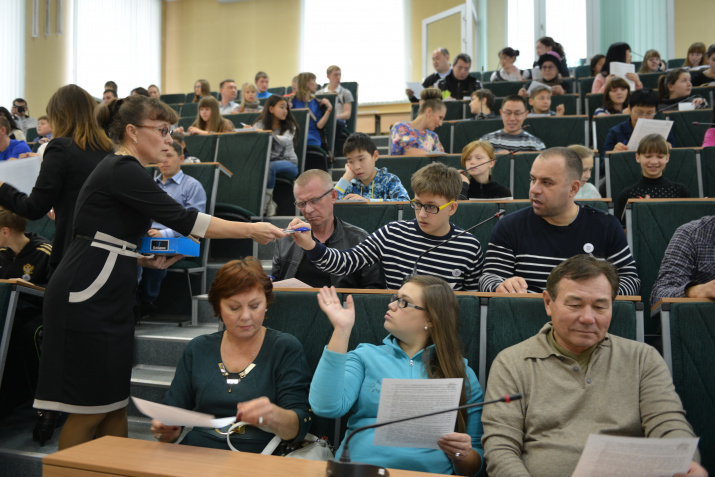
115	456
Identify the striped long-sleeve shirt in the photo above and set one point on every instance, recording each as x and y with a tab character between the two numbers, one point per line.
397	246
525	245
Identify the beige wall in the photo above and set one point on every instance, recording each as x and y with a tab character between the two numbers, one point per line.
47	58
240	45
422	9
693	22
496	32
214	41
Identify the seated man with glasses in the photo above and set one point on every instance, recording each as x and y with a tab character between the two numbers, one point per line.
315	197
643	104
513	138
398	245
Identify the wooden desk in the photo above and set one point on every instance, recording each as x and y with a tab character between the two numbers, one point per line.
115	456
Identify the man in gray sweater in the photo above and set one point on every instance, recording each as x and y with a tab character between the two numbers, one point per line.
576	380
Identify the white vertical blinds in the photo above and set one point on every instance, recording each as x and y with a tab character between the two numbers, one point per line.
12	39
118	40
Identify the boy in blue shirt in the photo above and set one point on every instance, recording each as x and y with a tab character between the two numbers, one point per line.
10	148
362	181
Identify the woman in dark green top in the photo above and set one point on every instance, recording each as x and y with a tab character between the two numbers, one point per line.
256	372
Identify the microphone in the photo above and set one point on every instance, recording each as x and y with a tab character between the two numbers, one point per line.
697	123
499	214
526	126
346	468
511	153
676	104
636	53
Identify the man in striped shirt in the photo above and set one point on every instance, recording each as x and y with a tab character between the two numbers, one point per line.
513	138
398	245
526	245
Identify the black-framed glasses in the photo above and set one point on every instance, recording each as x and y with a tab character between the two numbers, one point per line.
313	202
429	208
402	303
163	131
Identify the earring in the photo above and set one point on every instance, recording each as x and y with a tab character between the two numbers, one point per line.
426	328
135	140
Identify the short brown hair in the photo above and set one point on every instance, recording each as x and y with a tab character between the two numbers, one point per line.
437	179
4	123
12	221
653	143
332	68
311	174
431	98
582	267
259	75
43	118
239	276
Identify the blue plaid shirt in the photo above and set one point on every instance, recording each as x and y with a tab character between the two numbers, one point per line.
384	186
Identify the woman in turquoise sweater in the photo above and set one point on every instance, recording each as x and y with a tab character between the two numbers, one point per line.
259	374
423	322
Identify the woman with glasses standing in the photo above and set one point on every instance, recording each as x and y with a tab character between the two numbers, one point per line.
87	353
423	343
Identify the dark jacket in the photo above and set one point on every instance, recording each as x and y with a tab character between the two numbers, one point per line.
429	82
287	257
459	89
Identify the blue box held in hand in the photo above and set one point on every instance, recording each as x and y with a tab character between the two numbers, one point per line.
170	246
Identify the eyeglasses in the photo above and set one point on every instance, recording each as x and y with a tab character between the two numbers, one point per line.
163	131
429	208
313	202
402	303
548	67
516	114
643	114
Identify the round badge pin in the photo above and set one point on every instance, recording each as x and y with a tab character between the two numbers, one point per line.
456	273
588	248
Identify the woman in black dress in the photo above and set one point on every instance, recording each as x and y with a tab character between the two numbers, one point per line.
78	145
89	325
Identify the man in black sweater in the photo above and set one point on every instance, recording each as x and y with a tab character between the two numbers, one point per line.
458	84
442	67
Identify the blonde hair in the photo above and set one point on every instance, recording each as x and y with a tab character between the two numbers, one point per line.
332	68
582	151
470	148
247	86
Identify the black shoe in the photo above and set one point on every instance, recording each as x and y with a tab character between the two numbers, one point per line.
146	310
47	422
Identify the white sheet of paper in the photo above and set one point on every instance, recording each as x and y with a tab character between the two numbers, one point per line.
645	127
686	107
534	84
401	398
416	87
536	73
21	173
634	456
620	69
174	416
291	283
